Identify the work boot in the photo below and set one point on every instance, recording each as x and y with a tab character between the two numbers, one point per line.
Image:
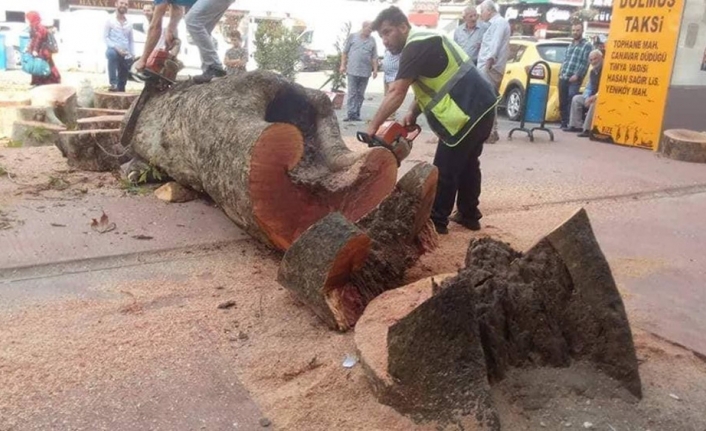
468	223
209	74
493	138
441	229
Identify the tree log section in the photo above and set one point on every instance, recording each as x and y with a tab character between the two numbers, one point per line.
104	122
35	133
684	145
397	234
114	100
92	150
95	112
61	98
268	151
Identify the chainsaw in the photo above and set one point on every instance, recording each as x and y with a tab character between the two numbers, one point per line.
394	137
159	75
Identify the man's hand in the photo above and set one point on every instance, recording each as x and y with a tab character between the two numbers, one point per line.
342	69
589	101
375	74
169	38
410	119
574	78
490	63
139	64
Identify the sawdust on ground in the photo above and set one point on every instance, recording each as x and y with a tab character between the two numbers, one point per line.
57	358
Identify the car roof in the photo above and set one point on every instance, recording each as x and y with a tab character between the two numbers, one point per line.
529	40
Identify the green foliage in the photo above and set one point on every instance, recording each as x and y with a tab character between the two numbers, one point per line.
3	171
56	183
38	134
335	77
277	48
13	144
134	189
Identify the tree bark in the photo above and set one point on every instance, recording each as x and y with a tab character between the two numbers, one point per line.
92	150
684	145
114	100
396	234
555	304
268	151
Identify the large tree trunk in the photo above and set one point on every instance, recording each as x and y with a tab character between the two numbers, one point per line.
268	151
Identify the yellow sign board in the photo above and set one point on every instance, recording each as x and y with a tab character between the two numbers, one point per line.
637	71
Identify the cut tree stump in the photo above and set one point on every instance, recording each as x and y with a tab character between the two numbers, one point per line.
110	100
41	114
397	233
95	112
10	103
35	133
684	145
93	150
551	306
60	98
268	151
100	123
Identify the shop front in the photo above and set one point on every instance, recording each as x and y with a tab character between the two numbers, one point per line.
541	20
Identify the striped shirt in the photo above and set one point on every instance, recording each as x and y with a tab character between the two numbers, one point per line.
576	60
390	66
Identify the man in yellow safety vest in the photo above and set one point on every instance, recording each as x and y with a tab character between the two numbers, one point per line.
458	103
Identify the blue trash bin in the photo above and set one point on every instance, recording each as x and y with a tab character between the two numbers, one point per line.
3	53
537	95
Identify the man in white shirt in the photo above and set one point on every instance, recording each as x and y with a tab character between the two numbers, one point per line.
119	41
494	49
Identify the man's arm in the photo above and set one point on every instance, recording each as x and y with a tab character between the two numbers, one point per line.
131	42
106	35
153	35
344	55
500	34
175	16
390	104
374	60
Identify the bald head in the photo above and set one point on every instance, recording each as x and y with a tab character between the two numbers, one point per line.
366	29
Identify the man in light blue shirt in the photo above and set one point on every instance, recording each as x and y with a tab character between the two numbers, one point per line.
469	34
359	60
120	46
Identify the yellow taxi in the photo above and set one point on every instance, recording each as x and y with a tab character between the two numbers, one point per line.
525	51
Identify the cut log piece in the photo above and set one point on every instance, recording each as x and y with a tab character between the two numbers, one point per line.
175	193
553	305
400	232
41	114
104	122
61	98
114	100
317	269
95	112
35	133
93	150
9	105
268	151
684	145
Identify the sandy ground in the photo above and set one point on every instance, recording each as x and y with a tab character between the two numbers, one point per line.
86	362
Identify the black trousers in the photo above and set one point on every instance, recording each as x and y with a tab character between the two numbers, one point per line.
459	174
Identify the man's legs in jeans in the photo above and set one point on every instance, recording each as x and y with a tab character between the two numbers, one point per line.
200	22
123	72
356	91
113	57
576	116
459	173
567	91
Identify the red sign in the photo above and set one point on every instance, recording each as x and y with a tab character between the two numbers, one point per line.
424	19
101	4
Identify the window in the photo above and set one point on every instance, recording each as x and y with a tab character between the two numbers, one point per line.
553	53
516	52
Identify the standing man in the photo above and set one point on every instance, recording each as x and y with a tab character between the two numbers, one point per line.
457	102
469	34
200	22
572	72
587	100
359	59
494	51
120	46
154	33
147	12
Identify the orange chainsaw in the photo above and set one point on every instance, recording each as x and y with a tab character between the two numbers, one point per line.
394	137
159	75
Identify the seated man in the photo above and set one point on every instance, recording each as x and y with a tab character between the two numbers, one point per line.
587	100
154	33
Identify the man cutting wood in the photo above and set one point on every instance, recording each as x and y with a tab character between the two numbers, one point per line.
457	102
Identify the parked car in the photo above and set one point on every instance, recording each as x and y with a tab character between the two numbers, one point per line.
524	52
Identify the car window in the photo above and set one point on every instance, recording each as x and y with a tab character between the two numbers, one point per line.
516	52
553	53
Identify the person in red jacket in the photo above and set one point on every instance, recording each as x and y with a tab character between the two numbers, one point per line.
38	47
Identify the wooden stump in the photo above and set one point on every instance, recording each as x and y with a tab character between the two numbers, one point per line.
41	114
35	133
268	151
60	98
553	305
95	112
10	103
105	122
397	233
93	150
684	145
110	100
175	193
